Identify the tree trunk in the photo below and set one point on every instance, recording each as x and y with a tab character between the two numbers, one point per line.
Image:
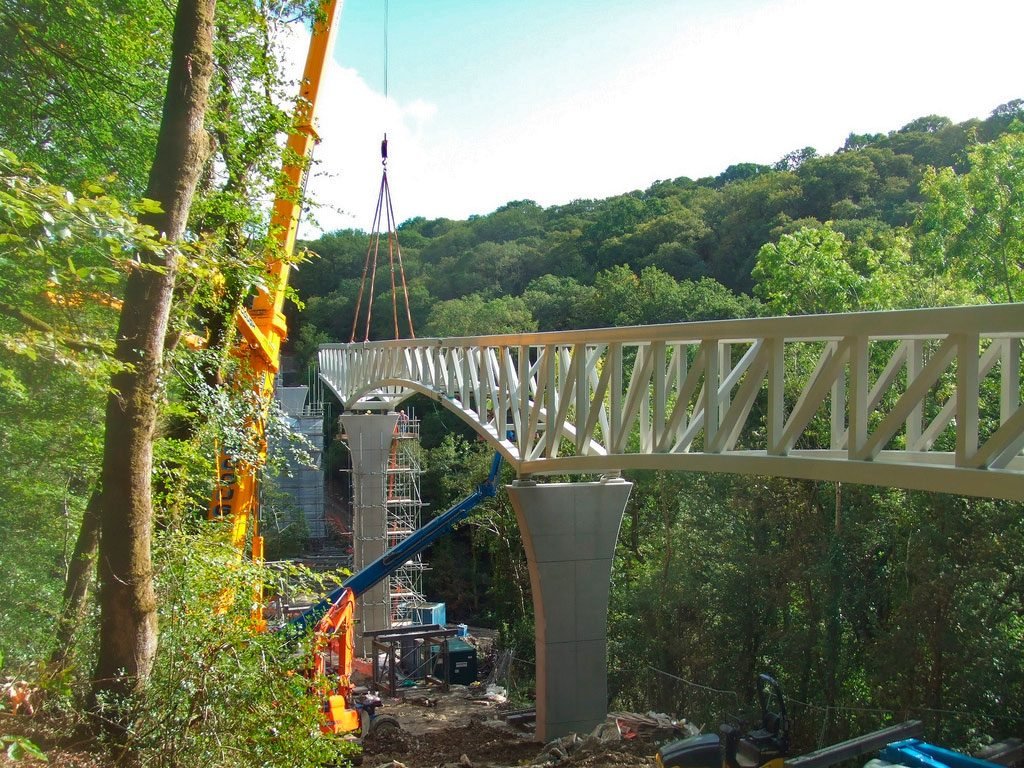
76	588
128	625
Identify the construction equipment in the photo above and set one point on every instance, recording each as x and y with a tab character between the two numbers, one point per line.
767	744
262	329
346	709
736	745
915	753
853	748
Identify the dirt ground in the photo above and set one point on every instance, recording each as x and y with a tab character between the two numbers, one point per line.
458	728
453	729
62	750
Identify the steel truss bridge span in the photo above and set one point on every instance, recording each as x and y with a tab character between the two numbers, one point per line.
925	399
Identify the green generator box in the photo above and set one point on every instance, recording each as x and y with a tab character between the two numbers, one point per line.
461	662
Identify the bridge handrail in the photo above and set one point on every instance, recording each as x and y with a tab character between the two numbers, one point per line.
989	319
922	398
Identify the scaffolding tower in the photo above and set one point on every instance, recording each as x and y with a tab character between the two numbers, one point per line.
403	505
403	516
303	407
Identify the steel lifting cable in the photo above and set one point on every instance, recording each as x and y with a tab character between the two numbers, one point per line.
367	283
394	249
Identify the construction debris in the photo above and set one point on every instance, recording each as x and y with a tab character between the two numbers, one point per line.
19	696
455	732
653	726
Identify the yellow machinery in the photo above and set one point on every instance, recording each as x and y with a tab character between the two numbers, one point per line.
262	329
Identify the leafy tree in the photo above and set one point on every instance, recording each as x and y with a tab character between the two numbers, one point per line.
927	124
622	297
807	272
128	619
841	178
668	241
512	221
490	268
474	315
972	224
742	220
60	254
1001	119
857	141
560	303
80	86
740	172
793	160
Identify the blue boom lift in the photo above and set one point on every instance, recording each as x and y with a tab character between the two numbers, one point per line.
332	617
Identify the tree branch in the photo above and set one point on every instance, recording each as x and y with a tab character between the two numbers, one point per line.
37	324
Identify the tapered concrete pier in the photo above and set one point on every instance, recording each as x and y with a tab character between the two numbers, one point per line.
569	531
369	438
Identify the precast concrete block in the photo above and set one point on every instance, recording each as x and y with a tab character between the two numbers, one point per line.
592	690
592	587
555	617
571	693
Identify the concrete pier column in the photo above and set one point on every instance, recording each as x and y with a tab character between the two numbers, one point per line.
569	532
369	437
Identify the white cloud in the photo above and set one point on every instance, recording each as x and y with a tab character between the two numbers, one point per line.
351	121
746	87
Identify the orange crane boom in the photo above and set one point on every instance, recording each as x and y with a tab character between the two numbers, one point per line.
263	329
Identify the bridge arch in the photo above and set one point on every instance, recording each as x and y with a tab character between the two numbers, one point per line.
399	390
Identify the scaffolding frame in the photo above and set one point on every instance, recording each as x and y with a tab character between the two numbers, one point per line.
404	505
305	408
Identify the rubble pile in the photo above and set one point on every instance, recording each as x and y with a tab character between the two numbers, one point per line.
462	729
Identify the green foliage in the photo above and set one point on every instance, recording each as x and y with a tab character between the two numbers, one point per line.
489	563
972	223
858	599
221	693
819	270
81	86
60	255
474	315
807	272
19	748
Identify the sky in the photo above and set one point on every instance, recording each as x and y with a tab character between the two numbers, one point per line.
489	101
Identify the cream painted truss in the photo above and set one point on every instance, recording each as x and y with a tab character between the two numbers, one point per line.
928	399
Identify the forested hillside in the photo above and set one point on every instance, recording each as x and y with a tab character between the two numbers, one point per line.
139	145
687	249
871	605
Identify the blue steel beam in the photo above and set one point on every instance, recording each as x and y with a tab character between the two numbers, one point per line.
921	754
